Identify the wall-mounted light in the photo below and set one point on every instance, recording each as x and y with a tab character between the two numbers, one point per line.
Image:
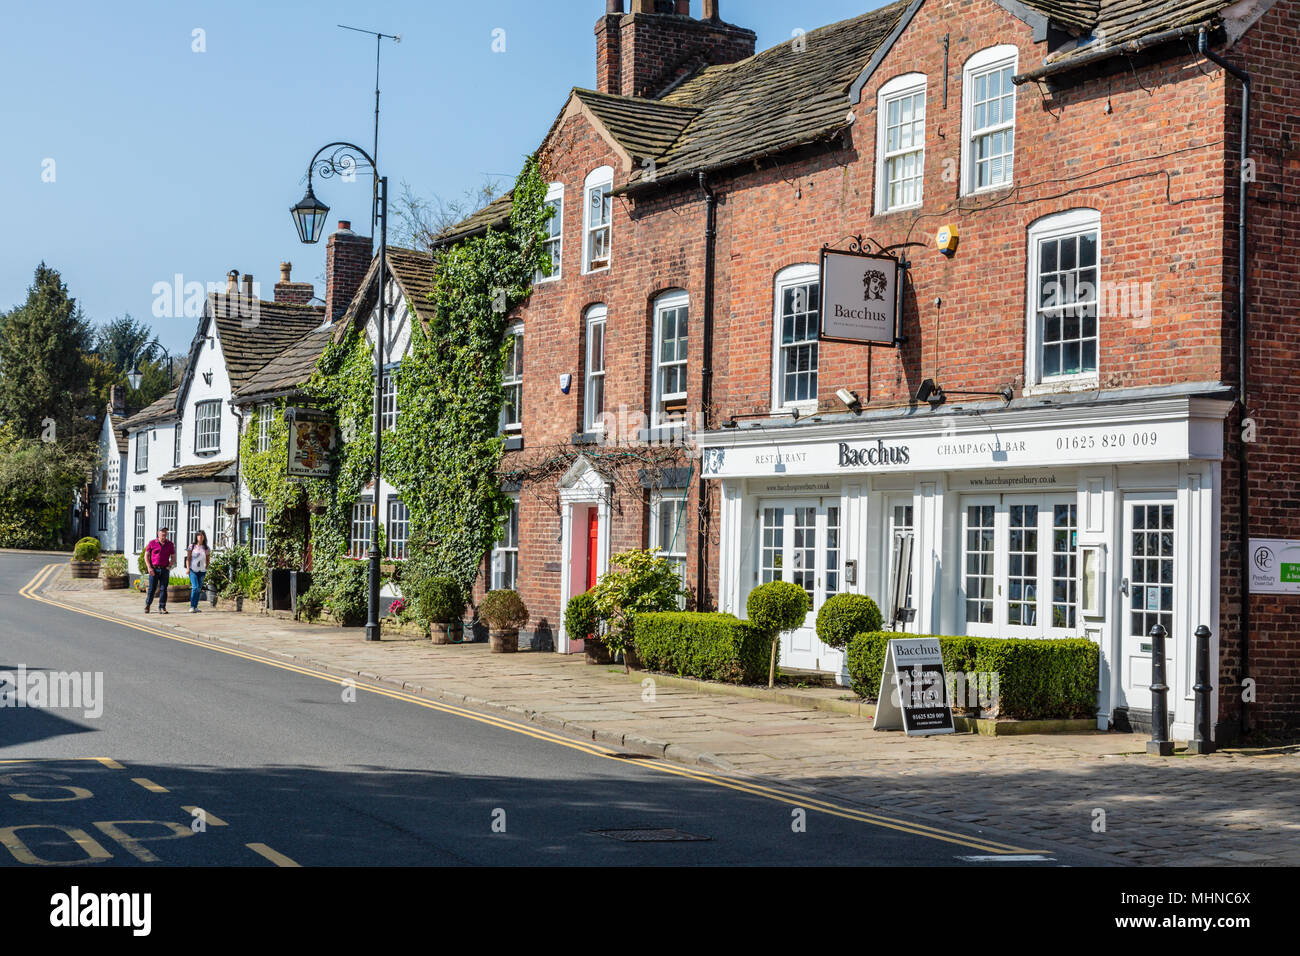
935	395
849	399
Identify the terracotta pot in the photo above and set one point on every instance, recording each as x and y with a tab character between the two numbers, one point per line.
116	583
503	641
596	652
85	569
441	633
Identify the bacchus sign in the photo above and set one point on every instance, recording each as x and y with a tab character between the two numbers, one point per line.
859	297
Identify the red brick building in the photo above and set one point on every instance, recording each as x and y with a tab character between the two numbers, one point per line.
1087	158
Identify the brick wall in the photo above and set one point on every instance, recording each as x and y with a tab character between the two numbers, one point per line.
656	49
347	257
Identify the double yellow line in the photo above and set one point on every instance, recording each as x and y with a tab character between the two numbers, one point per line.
790	797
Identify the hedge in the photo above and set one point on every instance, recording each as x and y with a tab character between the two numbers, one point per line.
1038	679
709	646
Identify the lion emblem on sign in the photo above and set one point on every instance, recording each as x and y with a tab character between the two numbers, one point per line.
874	284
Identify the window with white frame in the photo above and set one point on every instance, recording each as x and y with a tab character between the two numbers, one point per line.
671	322
1019	565
102	515
594	377
1064	284
989	119
207	427
219	523
668	530
505	556
264	426
388	400
257	528
176	445
900	142
598	208
141	451
398	528
798	305
554	242
512	381
193	522
139	530
168	517
362	526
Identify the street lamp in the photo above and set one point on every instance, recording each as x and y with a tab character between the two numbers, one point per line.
134	375
309	219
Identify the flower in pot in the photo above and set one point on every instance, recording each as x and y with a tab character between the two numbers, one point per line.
582	622
85	558
505	614
115	573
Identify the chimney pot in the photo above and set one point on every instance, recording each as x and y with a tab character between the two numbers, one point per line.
232	281
345	225
711	10
248	284
613	6
285	268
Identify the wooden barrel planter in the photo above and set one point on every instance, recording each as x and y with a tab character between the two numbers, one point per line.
116	582
85	569
178	594
503	641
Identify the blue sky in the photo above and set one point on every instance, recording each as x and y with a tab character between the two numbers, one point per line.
168	161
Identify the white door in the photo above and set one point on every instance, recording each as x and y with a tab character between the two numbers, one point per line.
902	524
801	541
1019	565
1147	592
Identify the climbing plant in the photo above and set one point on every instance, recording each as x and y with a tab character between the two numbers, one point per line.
443	454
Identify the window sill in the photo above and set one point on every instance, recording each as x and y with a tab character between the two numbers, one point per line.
988	190
662	434
514	442
803	409
1060	386
911	207
548	280
597	271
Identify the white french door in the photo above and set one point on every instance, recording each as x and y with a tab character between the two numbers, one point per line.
1020	565
902	524
1147	589
801	541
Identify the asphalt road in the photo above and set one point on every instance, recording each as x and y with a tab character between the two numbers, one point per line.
204	758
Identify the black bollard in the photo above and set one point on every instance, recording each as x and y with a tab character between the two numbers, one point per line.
1159	744
1202	744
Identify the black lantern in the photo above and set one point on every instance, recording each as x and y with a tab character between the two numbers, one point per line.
134	376
309	216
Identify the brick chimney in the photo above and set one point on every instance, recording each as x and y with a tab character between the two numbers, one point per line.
248	285
117	400
644	52
347	257
294	293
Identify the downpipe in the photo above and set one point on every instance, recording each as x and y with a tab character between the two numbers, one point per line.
706	376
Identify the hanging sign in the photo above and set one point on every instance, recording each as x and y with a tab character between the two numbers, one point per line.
914	689
859	297
311	443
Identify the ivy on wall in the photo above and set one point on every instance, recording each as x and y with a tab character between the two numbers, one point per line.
444	452
442	455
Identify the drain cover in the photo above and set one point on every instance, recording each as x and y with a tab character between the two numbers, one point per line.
652	835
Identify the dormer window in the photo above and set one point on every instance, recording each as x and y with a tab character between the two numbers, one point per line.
598	208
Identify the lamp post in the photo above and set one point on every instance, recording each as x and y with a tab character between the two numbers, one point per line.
309	218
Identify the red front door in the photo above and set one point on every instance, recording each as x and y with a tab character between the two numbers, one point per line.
593	538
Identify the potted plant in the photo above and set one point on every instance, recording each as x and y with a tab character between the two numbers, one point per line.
85	558
505	614
440	601
178	589
642	582
582	623
115	574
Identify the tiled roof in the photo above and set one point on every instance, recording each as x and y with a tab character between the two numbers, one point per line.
494	214
163	410
115	423
208	471
290	370
1106	26
414	273
249	345
646	129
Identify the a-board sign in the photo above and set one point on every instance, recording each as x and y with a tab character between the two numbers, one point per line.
914	689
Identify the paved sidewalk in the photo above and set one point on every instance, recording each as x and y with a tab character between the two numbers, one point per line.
1232	808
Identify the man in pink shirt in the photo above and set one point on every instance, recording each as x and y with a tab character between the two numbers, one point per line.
159	558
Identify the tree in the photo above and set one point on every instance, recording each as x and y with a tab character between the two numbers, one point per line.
420	220
124	341
43	371
37	482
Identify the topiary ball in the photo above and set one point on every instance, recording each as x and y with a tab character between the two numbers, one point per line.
777	606
504	610
87	549
845	616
